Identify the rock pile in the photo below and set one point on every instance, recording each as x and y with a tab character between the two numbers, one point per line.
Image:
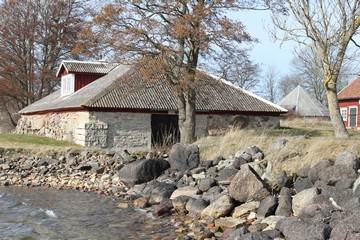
233	198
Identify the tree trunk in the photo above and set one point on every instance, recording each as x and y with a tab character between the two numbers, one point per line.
186	105
334	110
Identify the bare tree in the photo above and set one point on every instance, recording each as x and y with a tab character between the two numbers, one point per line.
327	27
173	35
240	71
270	89
288	83
34	36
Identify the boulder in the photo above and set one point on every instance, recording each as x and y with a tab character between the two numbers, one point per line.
336	173
206	183
245	209
142	171
348	228
237	234
267	207
220	208
184	156
179	203
212	194
229	222
302	199
283	180
157	191
238	161
285	203
295	229
317	168
347	159
302	183
186	191
265	235
196	206
246	185
226	175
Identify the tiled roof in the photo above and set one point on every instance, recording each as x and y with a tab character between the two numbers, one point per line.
87	67
122	88
351	91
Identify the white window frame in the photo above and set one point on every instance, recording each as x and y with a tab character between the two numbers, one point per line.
343	112
356	119
67	84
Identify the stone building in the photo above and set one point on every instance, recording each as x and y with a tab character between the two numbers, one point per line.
111	106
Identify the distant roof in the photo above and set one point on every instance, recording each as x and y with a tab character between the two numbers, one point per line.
303	104
351	91
122	88
86	67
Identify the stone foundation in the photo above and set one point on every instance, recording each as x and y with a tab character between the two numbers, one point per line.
126	130
60	126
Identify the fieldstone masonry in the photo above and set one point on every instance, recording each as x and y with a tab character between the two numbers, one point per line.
121	130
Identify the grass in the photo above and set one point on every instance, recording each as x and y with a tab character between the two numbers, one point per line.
317	142
34	143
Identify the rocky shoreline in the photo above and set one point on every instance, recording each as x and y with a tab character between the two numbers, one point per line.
234	198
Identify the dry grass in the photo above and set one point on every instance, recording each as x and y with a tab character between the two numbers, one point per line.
317	143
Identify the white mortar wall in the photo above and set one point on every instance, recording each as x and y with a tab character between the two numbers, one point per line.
61	126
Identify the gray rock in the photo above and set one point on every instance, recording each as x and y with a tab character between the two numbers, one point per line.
184	156
344	184
220	208
282	180
296	229
347	159
142	171
186	191
265	235
341	197
347	228
317	168
157	192
245	209
237	234
196	206
212	194
179	203
123	157
253	150
267	207
226	175
319	207
217	160
238	161
304	172
206	183
302	199
336	173
302	183
245	185
285	203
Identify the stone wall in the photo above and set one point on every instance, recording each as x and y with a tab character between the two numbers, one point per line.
60	126
131	131
124	130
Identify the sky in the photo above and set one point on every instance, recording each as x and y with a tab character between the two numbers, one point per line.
266	52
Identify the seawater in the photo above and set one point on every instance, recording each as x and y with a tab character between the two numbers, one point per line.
44	213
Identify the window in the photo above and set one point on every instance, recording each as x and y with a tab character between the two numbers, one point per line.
343	112
67	84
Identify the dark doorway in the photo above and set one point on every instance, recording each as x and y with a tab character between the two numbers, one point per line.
164	130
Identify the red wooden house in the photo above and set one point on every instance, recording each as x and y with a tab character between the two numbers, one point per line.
349	103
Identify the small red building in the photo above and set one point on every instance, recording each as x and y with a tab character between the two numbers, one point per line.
349	103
